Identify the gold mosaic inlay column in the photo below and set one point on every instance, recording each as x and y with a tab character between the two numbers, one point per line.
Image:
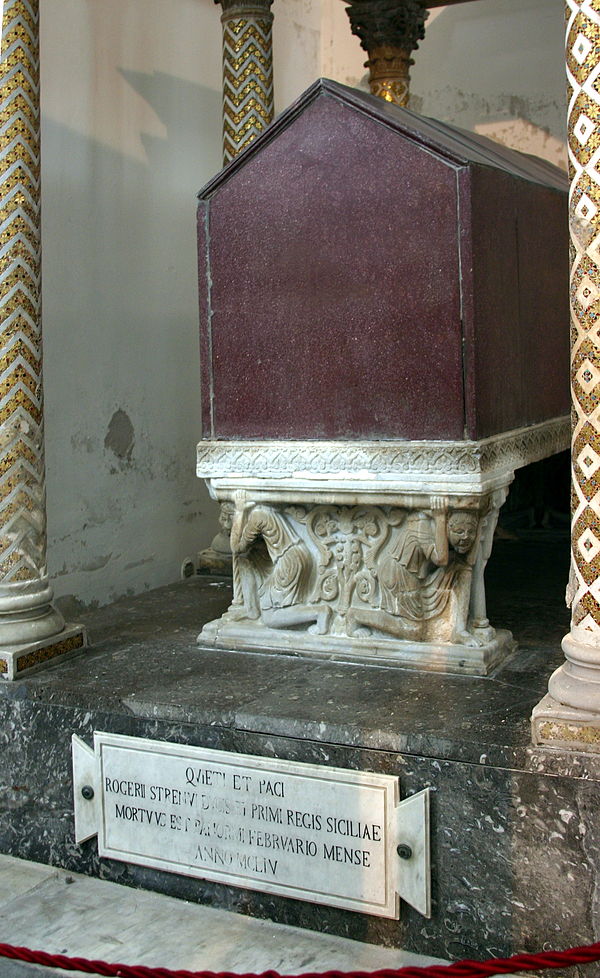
571	712
389	31
247	72
389	74
28	622
22	510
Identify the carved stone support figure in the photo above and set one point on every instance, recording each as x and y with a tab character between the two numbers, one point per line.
425	577
389	30
247	72
394	582
216	559
272	569
480	626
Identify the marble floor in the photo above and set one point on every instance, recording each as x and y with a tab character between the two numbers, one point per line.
44	908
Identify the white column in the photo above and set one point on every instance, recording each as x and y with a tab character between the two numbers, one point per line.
569	716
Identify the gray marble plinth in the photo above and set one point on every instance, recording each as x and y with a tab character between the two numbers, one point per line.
515	834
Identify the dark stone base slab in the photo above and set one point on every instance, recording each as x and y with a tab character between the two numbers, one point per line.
515	829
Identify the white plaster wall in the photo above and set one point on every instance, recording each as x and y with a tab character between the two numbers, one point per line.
490	66
296	47
131	130
497	67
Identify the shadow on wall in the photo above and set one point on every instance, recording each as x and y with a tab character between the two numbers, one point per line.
496	67
193	117
121	349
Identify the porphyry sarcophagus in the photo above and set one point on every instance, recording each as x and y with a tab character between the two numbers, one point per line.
384	331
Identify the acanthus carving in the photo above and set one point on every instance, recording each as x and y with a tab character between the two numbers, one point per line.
358	571
348	539
391	23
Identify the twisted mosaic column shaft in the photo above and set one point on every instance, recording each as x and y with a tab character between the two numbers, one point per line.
247	72
576	684
26	612
389	31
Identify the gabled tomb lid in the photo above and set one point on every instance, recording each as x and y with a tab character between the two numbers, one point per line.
456	146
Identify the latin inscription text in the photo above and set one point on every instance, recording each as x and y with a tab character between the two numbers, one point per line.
242	823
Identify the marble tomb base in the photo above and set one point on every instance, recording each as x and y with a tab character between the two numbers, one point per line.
515	834
367	551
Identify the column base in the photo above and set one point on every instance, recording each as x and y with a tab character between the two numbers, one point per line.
22	660
555	725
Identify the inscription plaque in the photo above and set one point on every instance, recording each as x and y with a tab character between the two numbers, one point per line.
322	834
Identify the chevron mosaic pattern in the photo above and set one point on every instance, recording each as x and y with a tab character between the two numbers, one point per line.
395	90
22	502
247	81
583	73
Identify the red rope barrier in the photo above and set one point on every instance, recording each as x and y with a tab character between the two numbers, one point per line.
462	969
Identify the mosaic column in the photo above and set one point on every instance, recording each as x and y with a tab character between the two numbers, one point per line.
247	72
247	110
389	31
570	714
32	631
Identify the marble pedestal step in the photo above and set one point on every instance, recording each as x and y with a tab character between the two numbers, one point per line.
444	657
49	909
515	834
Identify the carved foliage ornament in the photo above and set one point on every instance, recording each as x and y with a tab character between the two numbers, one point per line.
357	570
388	23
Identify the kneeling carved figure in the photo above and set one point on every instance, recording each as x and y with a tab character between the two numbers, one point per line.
356	571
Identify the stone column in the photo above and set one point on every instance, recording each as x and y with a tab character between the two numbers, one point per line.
389	30
32	631
569	715
247	72
247	110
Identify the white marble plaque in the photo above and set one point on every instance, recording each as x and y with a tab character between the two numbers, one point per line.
321	834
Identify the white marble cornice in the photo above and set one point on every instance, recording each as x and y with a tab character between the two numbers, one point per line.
367	467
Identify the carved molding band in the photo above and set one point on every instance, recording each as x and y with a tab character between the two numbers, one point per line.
464	466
